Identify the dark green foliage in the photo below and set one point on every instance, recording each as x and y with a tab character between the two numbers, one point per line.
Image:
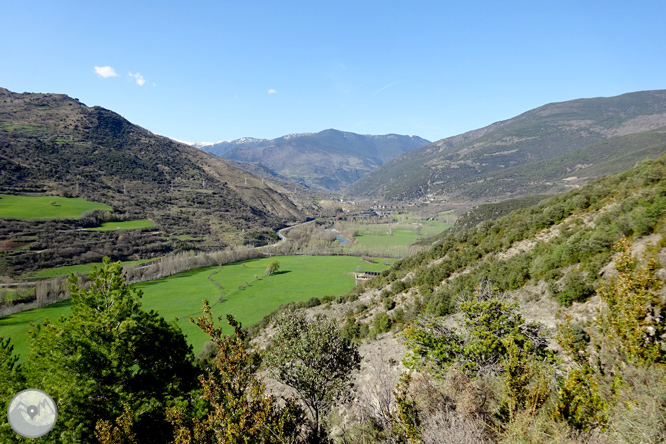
574	289
627	341
577	334
525	380
511	274
594	265
399	316
112	351
351	330
364	331
440	303
382	323
634	321
389	304
580	403
408	421
398	287
312	302
480	343
12	381
237	409
494	211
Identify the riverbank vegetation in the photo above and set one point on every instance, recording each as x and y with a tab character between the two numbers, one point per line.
393	236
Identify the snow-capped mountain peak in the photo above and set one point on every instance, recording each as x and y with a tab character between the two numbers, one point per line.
199	145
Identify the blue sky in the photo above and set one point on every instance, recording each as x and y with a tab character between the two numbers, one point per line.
221	70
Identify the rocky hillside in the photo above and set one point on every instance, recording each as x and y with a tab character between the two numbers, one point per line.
549	149
328	160
541	279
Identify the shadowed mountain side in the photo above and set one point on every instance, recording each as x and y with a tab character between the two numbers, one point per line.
327	160
269	197
260	170
53	141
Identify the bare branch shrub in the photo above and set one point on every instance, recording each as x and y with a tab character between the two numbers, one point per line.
449	427
375	399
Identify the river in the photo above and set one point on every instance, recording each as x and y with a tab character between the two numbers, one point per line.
342	240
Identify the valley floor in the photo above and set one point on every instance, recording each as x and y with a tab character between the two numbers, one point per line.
246	293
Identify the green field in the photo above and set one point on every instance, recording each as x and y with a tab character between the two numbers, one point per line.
300	278
377	235
399	238
79	269
126	225
45	207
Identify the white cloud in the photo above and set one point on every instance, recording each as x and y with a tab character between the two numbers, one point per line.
139	78
272	91
105	71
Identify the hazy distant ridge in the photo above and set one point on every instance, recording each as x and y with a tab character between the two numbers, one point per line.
329	159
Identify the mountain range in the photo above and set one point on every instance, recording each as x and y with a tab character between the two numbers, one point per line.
328	160
548	149
50	141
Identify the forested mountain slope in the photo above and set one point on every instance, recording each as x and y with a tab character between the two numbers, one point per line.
549	149
540	242
53	144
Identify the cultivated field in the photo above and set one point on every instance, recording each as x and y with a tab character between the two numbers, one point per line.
299	278
398	234
45	207
126	225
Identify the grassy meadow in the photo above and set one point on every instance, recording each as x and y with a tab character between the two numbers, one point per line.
45	207
126	225
180	296
403	234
